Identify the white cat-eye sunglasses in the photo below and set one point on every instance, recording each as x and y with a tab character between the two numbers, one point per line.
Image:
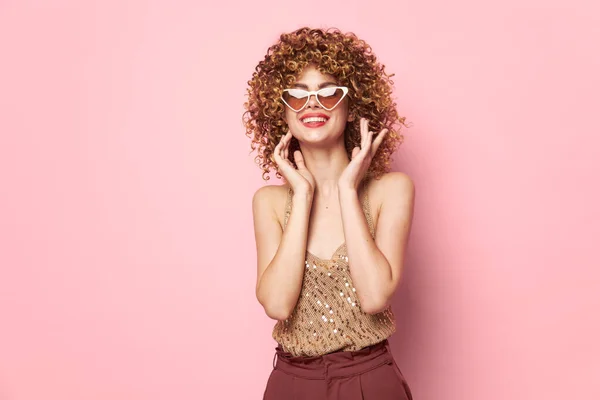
328	97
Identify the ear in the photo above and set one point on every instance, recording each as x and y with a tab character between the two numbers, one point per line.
351	117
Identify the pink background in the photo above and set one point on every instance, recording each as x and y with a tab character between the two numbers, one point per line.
126	274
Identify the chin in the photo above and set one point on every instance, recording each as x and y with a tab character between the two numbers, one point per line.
314	135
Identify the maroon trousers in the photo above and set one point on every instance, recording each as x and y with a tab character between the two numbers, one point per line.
367	374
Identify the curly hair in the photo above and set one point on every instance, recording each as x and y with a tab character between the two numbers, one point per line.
346	57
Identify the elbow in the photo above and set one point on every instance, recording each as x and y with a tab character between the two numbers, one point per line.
379	299
277	312
274	309
374	306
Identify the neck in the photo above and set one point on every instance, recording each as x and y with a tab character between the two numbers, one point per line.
326	166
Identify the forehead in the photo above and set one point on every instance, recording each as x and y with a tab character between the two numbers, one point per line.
310	74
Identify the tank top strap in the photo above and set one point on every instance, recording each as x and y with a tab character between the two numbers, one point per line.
288	206
364	200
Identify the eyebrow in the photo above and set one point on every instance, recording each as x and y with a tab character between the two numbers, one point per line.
328	83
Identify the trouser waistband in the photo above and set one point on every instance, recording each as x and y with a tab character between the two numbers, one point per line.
335	365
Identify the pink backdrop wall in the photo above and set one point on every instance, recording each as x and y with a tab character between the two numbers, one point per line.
125	276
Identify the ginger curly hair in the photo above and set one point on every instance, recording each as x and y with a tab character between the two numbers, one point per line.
346	57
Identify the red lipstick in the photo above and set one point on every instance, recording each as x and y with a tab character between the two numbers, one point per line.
315	120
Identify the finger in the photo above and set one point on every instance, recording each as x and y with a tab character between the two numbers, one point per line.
299	159
355	152
367	145
277	150
280	143
283	147
275	153
364	132
379	139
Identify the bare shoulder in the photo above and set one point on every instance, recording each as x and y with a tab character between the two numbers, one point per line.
270	200
391	186
270	193
395	189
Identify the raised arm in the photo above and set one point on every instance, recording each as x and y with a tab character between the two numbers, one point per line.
376	265
281	253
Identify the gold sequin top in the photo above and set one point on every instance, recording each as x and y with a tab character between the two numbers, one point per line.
327	316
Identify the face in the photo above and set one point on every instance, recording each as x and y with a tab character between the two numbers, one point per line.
314	122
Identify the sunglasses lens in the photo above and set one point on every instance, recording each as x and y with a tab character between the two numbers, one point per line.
330	97
295	98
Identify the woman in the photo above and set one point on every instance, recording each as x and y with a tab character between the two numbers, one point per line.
320	114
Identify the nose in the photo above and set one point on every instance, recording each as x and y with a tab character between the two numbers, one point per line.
312	101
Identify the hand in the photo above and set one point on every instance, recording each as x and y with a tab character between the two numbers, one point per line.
361	157
301	180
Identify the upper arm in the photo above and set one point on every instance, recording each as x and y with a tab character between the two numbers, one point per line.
395	220
267	229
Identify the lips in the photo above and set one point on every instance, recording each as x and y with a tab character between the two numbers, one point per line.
314	120
314	116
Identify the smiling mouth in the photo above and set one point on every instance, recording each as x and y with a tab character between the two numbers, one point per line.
314	122
314	119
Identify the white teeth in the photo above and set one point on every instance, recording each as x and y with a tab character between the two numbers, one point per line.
314	119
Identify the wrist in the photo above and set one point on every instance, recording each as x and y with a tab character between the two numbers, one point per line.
302	196
347	190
